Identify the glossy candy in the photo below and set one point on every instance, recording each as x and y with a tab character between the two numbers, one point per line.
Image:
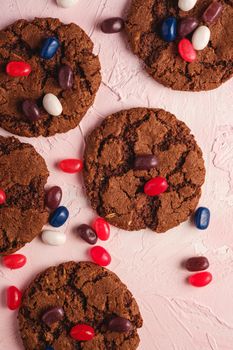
52	105
53	237
49	348
82	332
201	38
49	48
87	234
200	279
186	26
186	50
66	3
13	298
18	69
156	186
71	166
59	217
53	197
112	25
14	261
186	5
2	197
145	162
31	110
212	12
202	218
100	256
66	77
101	228
197	263
120	325
53	315
169	29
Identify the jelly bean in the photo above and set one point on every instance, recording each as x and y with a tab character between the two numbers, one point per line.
53	237
66	77
14	261
212	12
53	197
186	26
66	3
87	234
18	69
49	348
198	263
82	332
202	218
49	48
186	5
112	25
200	279
201	38
120	325
59	217
186	50
71	166
145	162
101	228
53	315
52	105
13	298
31	110
2	197
100	256
169	29
156	186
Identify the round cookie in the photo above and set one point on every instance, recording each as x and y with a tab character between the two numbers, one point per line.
116	190
89	294
23	175
214	64
22	41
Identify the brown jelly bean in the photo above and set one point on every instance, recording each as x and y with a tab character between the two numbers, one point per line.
53	315
31	110
87	234
212	12
120	325
66	77
112	25
145	162
198	263
53	197
186	26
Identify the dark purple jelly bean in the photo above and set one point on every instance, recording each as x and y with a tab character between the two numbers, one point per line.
53	197
112	25
31	110
186	26
87	234
198	263
145	162
66	77
120	325
53	315
212	12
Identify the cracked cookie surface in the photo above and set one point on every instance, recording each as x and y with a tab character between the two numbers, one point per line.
88	294
23	175
115	189
214	64
22	41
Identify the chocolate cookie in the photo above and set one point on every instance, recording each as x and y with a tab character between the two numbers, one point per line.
22	41
84	293
23	175
213	65
116	189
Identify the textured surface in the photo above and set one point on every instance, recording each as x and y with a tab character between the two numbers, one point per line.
22	41
88	294
116	190
214	64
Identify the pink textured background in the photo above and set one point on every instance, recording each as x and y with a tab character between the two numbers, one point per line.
176	316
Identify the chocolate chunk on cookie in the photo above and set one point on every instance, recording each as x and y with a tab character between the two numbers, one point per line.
78	294
23	175
115	184
213	65
72	75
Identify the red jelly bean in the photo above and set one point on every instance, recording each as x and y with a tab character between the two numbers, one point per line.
156	186
101	228
18	69
186	50
82	332
200	279
71	166
13	298
14	261
2	197
100	256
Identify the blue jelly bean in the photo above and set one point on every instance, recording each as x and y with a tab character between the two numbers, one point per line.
59	217
49	48
202	218
169	29
49	348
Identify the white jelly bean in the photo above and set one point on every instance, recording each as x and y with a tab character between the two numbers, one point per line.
66	3
201	37
186	5
52	105
53	237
